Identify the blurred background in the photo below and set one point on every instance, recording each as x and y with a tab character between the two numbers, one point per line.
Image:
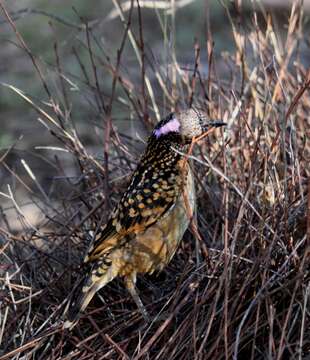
44	24
55	34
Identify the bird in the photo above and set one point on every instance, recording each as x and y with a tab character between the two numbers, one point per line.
145	228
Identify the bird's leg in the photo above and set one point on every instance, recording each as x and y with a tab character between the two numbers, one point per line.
130	284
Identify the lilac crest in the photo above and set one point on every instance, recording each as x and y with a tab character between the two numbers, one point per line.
171	126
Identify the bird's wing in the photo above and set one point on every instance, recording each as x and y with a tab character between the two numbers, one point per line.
145	202
104	239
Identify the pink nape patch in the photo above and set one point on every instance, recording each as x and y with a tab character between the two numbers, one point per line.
171	126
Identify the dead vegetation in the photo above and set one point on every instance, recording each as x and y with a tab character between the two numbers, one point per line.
241	289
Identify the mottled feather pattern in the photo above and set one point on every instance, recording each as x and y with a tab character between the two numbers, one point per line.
152	192
153	189
145	228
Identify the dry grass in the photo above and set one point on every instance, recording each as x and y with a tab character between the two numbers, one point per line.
241	289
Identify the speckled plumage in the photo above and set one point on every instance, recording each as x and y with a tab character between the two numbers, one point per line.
144	230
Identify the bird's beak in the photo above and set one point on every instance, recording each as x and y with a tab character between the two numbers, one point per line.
213	124
208	128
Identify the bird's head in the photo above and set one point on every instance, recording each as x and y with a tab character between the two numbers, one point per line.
181	127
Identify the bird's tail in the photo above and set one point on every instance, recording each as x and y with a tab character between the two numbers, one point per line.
79	299
81	296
